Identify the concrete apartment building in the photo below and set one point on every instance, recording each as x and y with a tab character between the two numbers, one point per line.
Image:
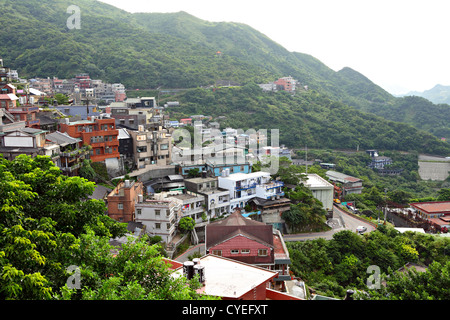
151	147
159	216
321	189
100	133
217	200
246	186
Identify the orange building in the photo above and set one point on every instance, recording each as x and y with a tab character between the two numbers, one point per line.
101	134
122	200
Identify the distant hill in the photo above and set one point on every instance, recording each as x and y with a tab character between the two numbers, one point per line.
437	94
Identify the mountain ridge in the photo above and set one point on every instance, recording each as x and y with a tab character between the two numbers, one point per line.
175	50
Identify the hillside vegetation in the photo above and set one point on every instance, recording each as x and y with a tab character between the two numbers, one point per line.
177	50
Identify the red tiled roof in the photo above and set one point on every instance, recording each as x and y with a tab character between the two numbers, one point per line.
432	207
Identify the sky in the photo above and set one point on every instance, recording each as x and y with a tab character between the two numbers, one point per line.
400	45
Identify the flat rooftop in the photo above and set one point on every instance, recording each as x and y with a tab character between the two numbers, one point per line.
230	278
244	176
315	181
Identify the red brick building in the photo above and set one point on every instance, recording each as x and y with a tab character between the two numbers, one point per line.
122	200
101	134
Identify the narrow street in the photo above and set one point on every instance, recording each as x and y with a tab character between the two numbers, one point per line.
340	221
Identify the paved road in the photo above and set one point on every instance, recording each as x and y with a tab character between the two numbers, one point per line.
341	221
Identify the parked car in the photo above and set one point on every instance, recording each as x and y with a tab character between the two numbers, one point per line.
361	229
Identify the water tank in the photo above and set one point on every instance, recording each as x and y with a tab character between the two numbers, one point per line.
200	270
196	261
188	269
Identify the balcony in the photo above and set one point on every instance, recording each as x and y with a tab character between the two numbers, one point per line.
72	168
246	186
273	185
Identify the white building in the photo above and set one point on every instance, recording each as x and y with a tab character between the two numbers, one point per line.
321	189
191	205
159	216
245	186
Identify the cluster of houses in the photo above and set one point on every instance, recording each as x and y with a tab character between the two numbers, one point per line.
237	212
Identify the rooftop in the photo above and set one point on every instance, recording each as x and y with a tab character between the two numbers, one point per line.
341	176
314	181
432	207
245	176
230	278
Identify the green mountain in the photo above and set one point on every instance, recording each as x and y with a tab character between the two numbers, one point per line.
438	94
177	50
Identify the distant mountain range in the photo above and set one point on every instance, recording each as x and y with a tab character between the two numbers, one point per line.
178	50
437	94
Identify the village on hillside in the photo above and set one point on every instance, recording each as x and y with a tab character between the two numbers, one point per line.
208	202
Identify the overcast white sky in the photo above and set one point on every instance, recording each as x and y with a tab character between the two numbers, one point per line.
400	45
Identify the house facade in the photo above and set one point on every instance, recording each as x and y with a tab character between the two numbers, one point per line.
249	241
151	147
217	200
121	201
71	152
243	187
349	184
160	217
101	134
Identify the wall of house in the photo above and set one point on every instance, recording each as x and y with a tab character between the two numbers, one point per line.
126	196
241	242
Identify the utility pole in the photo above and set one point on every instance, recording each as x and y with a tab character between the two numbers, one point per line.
306	158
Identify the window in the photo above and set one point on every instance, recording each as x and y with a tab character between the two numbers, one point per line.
120	206
168	225
138	212
245	251
217	252
157	213
262	252
234	251
157	225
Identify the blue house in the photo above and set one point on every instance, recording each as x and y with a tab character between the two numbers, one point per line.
215	168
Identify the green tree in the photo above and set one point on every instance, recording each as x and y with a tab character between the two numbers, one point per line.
444	194
48	223
186	224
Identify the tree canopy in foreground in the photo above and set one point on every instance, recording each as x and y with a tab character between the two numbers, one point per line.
54	242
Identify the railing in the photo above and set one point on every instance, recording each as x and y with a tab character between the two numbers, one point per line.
72	168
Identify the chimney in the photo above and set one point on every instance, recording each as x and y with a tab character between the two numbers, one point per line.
127	183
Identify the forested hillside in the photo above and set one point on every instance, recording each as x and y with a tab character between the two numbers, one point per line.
177	50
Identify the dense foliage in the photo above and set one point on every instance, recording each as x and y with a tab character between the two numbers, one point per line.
330	267
48	224
177	50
